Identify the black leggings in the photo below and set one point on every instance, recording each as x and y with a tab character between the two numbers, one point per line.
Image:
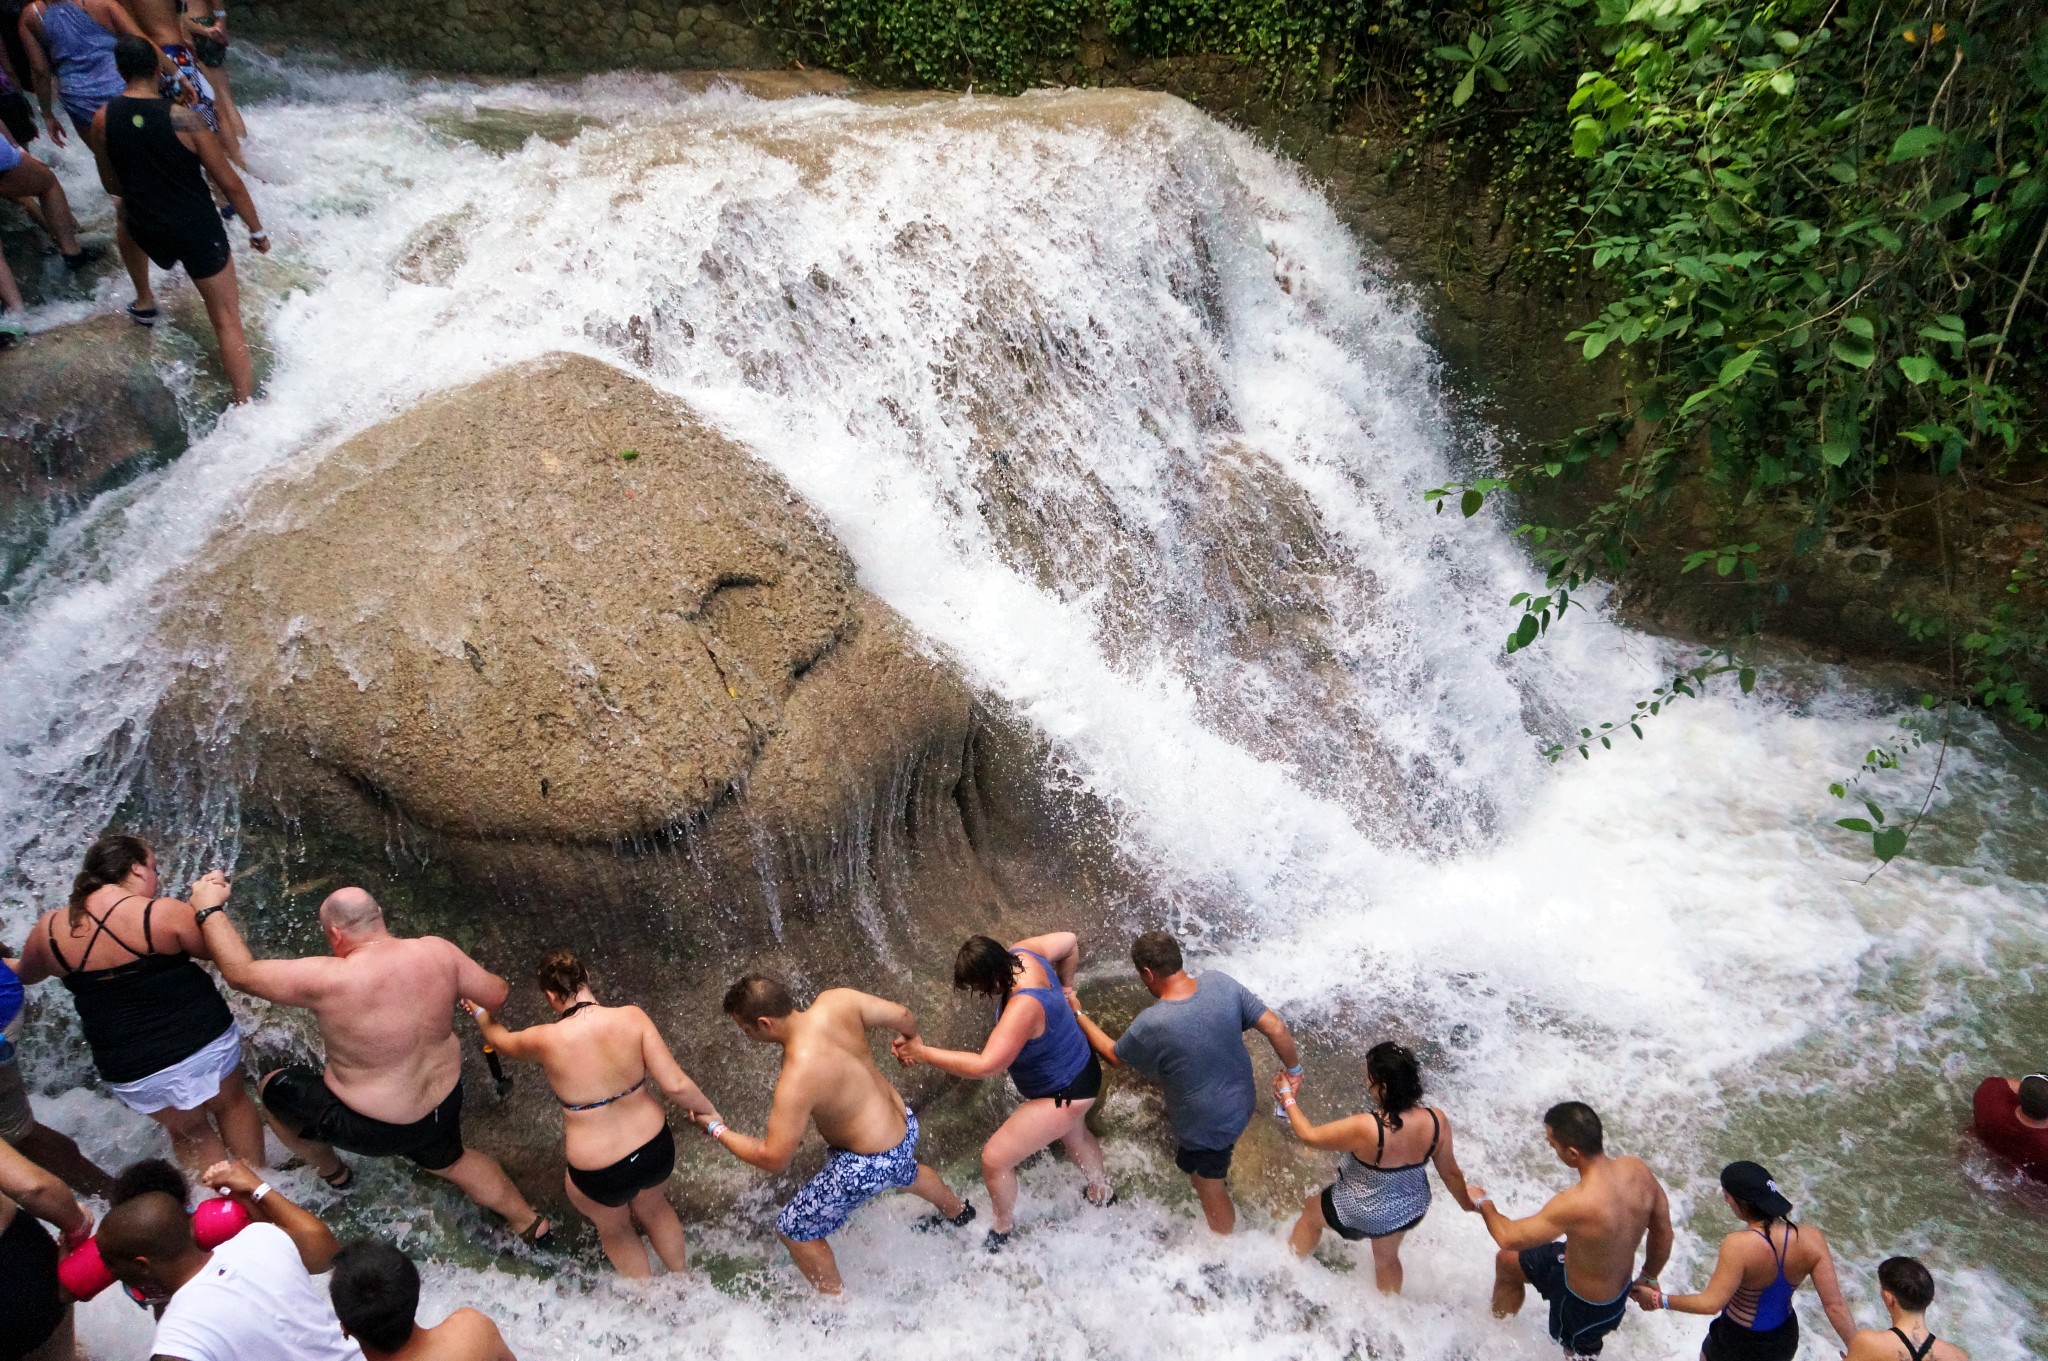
31	1305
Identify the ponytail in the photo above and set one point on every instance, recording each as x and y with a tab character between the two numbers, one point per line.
110	860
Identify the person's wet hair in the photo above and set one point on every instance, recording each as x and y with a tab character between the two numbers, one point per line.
985	966
112	858
2034	1097
1577	1127
134	57
152	1225
757	995
1394	1069
376	1293
561	973
1911	1284
151	1174
1157	952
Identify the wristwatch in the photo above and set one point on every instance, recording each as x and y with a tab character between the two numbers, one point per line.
203	913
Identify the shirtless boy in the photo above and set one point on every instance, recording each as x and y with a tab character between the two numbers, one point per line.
1579	1251
829	1077
393	1080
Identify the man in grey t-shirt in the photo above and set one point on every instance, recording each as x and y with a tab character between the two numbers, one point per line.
1191	1042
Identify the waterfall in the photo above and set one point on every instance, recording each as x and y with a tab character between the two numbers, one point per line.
1102	398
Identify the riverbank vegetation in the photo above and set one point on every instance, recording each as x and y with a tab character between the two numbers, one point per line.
1816	230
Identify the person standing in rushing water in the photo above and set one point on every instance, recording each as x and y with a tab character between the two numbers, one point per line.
1041	1044
1759	1268
392	1085
376	1293
829	1076
604	1064
1579	1251
1381	1194
1191	1042
1907	1288
161	1036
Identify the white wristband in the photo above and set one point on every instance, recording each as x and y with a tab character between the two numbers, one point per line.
714	1129
262	1190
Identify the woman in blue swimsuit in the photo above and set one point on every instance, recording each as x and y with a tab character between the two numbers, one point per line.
1759	1267
1037	1039
1382	1186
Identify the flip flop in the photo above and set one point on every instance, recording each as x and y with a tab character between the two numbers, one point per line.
343	1178
539	1234
935	1220
142	316
87	255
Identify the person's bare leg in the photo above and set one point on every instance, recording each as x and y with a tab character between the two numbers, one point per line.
615	1232
664	1229
1032	1126
231	124
10	291
1308	1230
1386	1262
325	1162
135	261
195	1144
34	180
1510	1286
816	1262
1086	1151
478	1176
59	1155
1216	1205
223	296
235	1116
929	1187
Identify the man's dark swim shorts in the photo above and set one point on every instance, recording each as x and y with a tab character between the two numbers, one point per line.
1578	1325
1210	1163
301	1098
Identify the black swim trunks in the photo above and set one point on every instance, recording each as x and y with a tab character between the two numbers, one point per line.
1578	1325
1211	1163
31	1304
203	250
644	1168
301	1098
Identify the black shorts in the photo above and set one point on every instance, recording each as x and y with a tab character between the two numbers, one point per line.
643	1169
301	1098
32	1306
201	247
1212	1163
1728	1340
1576	1324
1086	1087
19	118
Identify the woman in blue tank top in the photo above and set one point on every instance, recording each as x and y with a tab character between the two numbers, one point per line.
1759	1267
1038	1040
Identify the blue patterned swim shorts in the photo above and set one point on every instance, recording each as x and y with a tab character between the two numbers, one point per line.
846	1182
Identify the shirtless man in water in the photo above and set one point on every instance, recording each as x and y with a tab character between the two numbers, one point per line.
829	1076
1579	1251
393	1081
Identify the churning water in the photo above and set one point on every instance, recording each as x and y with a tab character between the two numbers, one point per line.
1102	397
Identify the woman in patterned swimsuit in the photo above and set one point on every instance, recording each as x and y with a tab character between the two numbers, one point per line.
1382	1187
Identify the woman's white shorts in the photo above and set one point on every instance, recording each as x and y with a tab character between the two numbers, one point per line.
188	1083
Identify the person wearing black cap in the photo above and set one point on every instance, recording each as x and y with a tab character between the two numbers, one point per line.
1759	1267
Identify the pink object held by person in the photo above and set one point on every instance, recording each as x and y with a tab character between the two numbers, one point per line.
84	1274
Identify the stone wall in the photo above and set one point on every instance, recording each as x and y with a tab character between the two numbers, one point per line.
522	37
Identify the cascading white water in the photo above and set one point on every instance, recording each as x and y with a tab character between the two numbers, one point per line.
1027	357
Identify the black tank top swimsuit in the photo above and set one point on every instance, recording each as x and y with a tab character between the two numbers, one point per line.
144	1016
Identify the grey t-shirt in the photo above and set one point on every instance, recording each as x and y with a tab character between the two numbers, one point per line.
1195	1049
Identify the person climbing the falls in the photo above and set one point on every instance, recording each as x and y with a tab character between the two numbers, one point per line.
604	1064
376	1294
2010	1116
1381	1194
161	1036
392	1084
1191	1042
1579	1251
1760	1267
1041	1044
1907	1288
157	158
829	1077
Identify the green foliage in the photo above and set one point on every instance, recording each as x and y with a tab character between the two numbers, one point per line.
1000	45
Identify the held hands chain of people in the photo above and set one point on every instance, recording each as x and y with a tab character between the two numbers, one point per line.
237	1284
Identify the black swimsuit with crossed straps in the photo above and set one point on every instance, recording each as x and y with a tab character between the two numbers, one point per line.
146	1015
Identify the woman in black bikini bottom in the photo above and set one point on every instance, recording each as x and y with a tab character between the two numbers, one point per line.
604	1064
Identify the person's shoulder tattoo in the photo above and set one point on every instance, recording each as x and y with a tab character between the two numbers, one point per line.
185	120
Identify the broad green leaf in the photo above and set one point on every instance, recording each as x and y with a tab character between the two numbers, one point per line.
1836	452
1452	54
1476	42
1854	824
1786	39
1747	679
1854	351
1471	501
1739	365
1588	135
1596	344
1464	90
1888	843
1494	78
1942	207
1783	81
1859	326
1914	143
1918	368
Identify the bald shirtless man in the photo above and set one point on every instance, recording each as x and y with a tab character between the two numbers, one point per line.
393	1081
829	1076
1579	1251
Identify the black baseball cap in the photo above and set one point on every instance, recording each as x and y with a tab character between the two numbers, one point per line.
1751	1184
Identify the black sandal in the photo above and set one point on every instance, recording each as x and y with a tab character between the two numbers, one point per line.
341	1179
142	316
539	1234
